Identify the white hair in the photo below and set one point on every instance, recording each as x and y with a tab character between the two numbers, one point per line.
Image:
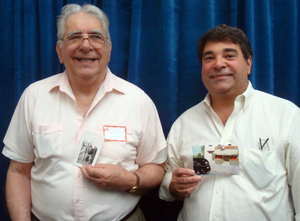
71	9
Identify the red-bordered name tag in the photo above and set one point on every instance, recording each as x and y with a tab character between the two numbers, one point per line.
115	133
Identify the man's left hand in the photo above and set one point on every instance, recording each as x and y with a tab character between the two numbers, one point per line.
109	177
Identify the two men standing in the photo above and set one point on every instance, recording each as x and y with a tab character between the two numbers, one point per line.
87	99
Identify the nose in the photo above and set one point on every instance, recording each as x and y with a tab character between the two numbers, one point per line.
85	44
220	63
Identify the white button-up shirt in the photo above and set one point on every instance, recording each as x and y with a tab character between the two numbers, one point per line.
46	128
261	190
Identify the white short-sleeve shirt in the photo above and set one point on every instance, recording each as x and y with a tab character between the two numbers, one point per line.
46	128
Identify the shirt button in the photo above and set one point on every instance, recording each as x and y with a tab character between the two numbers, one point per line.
78	176
217	191
213	218
77	201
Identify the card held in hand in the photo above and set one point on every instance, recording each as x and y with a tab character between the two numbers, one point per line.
88	149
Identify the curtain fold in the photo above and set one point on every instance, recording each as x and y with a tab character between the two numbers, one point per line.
119	13
153	46
287	50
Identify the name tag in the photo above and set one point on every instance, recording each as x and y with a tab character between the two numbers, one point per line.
115	133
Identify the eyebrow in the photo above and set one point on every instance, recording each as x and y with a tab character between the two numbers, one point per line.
230	50
79	32
73	33
226	50
96	32
207	53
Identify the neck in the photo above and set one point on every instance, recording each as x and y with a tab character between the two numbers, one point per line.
223	104
223	107
85	91
88	85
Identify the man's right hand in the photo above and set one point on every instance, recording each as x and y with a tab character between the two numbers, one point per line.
183	183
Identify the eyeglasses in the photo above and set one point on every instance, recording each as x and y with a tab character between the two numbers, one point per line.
95	40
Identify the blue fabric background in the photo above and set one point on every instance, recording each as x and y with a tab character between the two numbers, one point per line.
154	47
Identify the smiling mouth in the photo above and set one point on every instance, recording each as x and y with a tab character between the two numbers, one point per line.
221	76
86	60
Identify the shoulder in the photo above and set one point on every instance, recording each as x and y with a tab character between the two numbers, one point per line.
276	108
45	84
127	86
191	115
273	101
130	90
193	111
40	87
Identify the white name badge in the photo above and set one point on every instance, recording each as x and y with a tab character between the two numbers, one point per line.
115	133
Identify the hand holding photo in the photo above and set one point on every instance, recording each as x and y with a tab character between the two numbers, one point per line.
88	149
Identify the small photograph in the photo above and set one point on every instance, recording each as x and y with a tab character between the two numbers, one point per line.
198	151
88	149
87	153
225	155
201	165
223	159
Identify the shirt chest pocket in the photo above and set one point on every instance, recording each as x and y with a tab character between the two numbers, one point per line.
258	169
48	140
119	143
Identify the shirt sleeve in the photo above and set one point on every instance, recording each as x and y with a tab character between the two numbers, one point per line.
173	162
18	139
152	140
293	160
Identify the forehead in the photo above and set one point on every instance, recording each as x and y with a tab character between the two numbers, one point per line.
82	22
220	46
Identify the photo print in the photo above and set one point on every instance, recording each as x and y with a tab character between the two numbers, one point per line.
88	149
201	165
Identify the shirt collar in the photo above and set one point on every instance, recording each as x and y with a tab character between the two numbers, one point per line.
246	98
63	84
110	83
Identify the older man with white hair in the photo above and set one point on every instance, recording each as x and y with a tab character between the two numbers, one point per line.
86	103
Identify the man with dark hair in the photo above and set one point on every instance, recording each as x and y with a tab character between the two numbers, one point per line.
225	33
251	168
86	103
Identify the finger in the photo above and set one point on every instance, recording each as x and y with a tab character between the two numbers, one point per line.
187	179
183	186
184	172
86	175
186	192
101	166
93	172
84	172
184	183
181	191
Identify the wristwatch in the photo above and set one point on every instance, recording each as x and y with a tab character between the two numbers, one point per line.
136	186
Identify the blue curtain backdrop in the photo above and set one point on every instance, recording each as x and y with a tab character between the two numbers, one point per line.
154	47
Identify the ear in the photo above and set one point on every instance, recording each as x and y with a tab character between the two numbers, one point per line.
249	64
59	52
110	51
